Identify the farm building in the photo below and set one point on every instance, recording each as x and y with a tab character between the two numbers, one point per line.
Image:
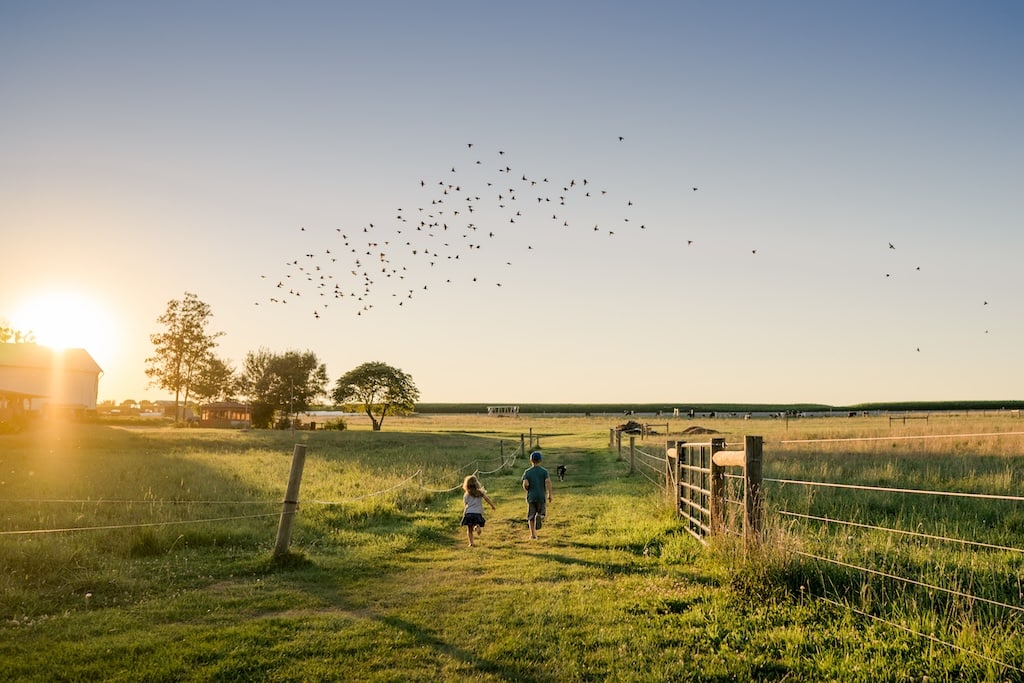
36	379
503	411
225	414
167	408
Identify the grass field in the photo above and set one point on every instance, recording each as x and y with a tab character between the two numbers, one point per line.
380	584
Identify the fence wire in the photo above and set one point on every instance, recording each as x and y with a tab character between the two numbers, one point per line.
107	527
926	636
857	566
903	532
885	489
911	582
965	594
506	462
898	437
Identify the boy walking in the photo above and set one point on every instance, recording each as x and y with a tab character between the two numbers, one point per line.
537	485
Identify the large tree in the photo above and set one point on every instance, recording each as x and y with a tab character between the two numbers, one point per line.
281	383
215	381
183	348
379	389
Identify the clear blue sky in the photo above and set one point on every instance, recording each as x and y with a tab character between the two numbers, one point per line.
153	149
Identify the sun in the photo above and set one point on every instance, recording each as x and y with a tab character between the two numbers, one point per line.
66	320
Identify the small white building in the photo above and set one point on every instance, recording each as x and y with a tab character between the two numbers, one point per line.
38	379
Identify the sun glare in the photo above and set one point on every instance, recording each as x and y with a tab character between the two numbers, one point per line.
66	320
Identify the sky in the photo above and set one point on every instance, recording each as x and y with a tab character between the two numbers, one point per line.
786	202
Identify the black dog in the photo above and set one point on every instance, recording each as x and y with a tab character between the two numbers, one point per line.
561	472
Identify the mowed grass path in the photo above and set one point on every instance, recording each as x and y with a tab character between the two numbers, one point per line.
614	589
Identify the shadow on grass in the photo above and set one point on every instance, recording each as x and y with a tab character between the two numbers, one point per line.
608	568
620	568
506	670
321	584
289	561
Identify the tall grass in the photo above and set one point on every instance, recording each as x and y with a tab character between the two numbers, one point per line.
926	580
380	586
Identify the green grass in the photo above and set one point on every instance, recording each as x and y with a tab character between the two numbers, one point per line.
384	587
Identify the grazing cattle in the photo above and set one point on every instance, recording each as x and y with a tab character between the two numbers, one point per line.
561	472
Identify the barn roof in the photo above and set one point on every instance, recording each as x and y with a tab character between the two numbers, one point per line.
224	404
43	357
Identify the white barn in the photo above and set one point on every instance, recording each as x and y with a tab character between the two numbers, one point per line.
39	379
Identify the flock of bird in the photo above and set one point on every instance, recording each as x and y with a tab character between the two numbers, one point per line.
486	202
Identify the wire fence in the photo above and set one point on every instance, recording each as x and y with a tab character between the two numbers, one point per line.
859	567
415	479
651	466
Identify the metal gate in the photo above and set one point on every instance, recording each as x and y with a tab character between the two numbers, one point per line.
696	477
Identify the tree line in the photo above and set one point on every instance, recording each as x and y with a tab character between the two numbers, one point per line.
275	385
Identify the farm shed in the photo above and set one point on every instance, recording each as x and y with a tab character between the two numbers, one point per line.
38	379
225	414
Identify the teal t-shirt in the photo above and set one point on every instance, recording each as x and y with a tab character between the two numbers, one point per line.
536	475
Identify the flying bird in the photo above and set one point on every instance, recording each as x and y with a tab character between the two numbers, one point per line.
423	243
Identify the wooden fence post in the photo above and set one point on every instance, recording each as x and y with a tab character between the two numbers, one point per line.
618	445
670	450
522	446
632	453
752	476
291	502
717	480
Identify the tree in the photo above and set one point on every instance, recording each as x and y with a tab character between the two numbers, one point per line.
9	334
216	380
182	349
379	389
281	384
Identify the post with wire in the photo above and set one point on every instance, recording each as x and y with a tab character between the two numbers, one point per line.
752	481
291	502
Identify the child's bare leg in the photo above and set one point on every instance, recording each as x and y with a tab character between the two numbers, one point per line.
533	527
469	530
